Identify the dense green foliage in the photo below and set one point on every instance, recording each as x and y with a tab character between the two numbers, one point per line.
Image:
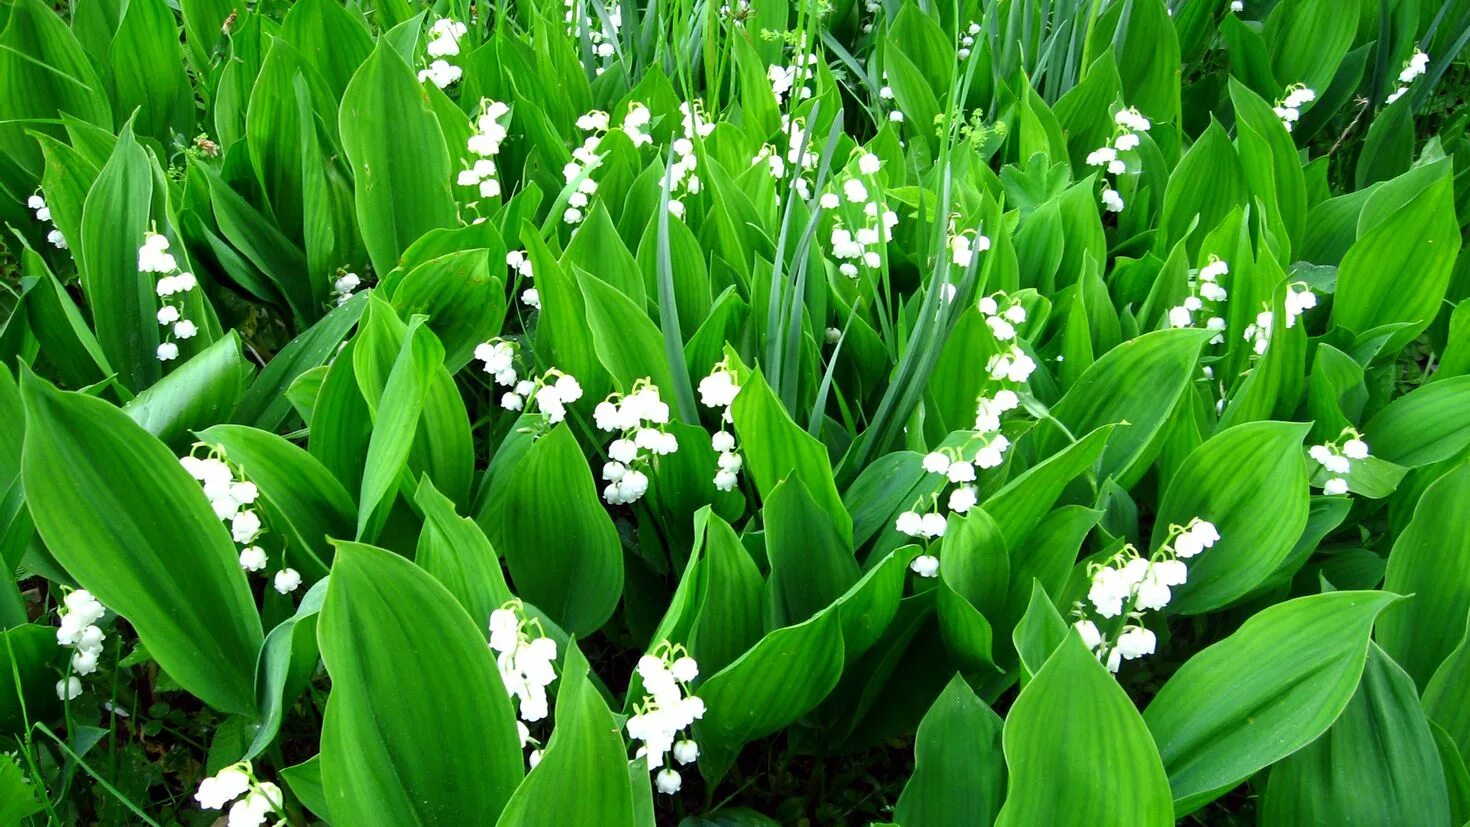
1010	412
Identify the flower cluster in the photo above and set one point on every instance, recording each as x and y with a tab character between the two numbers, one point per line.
444	37
261	798
852	249
1299	299
964	244
718	391
43	214
796	77
1289	108
1206	298
345	286
80	631
1010	369
638	418
527	666
682	178
1416	66
518	261
154	257
231	495
585	157
967	41
957	467
599	36
553	392
668	708
489	135
1129	124
1337	459
1127	585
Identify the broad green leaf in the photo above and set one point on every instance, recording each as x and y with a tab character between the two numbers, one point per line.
123	303
583	776
768	688
399	161
959	769
287	661
1251	482
1262	693
128	522
1309	38
1419	242
1138	383
455	551
463	297
1078	752
1445	701
264	404
1376	765
398	415
775	447
1427	425
28	655
561	546
1019	506
1430	561
1143	38
811	565
199	393
406	660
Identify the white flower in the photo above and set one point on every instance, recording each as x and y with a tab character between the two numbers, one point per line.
256	806
925	565
244	526
68	689
623	450
1135	642
1187	545
252	558
718	390
1108	591
684	669
441	73
512	401
722	442
726	480
686	751
287	581
167	352
84	662
910	523
168	314
993	453
668	781
225	786
1112	201
1171	572
960	472
854	191
1131	119
153	256
1355	449
932	525
1180	317
1102	156
1089	633
185	329
869	164
962	499
1206	532
936	462
1126	141
1335	486
1237	6
568	388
